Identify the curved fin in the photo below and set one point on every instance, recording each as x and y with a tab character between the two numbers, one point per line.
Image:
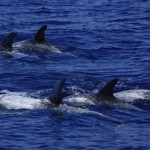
56	95
40	35
8	40
108	88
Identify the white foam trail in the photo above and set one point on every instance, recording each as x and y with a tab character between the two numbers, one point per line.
18	54
54	49
15	54
71	109
70	54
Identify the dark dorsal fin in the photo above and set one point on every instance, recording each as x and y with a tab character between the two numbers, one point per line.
8	40
56	95
108	88
40	35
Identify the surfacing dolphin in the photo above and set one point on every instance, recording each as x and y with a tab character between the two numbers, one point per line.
55	98
104	96
38	43
6	44
16	100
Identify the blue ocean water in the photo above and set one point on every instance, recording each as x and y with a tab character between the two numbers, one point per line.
100	40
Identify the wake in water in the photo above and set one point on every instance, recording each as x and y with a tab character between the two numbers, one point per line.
72	109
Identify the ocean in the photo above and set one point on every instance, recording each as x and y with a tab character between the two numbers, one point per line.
99	40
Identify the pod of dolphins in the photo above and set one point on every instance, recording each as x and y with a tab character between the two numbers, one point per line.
38	42
104	96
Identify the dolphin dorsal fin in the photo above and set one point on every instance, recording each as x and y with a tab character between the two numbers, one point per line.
8	40
108	88
56	95
40	35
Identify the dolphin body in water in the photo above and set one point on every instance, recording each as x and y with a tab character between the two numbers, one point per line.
38	43
15	100
6	45
104	96
55	98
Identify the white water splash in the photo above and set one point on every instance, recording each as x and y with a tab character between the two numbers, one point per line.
17	54
70	54
72	109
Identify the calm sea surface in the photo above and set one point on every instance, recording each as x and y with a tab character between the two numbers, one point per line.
100	40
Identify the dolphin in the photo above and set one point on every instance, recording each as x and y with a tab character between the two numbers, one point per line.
38	43
6	44
17	100
104	96
55	97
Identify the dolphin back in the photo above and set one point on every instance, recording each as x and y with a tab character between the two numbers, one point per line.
108	88
40	35
8	40
56	95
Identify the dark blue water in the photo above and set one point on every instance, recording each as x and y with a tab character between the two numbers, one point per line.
100	40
